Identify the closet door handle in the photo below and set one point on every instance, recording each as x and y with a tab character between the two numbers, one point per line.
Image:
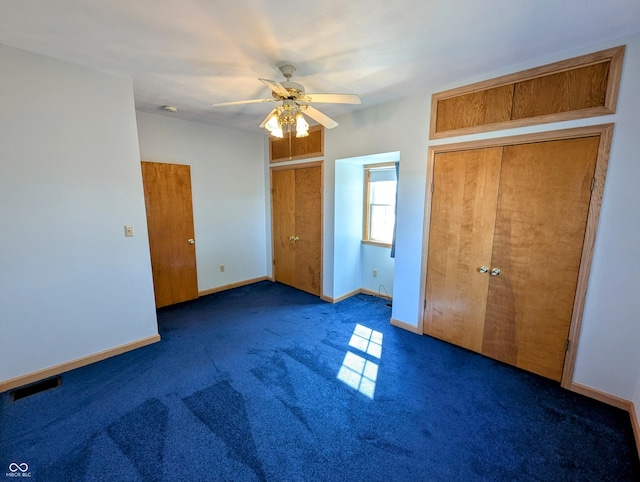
483	269
495	271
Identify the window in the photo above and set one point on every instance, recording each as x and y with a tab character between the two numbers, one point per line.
380	203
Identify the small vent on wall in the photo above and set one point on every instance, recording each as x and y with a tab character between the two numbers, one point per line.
34	388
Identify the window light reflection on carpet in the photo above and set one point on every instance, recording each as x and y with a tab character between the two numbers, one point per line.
356	371
367	340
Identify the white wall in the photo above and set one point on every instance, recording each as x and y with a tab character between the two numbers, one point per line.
349	194
71	284
354	261
608	357
400	126
228	188
609	348
377	258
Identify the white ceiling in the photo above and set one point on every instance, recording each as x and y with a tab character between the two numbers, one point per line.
191	53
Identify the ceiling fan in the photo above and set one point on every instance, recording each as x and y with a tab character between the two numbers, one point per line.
294	103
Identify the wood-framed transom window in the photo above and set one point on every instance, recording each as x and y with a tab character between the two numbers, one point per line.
380	185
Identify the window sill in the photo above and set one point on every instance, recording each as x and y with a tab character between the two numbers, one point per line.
376	243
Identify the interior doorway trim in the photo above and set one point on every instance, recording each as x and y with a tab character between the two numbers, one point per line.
605	131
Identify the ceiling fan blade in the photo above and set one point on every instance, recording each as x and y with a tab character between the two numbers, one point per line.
319	117
266	119
277	87
238	102
333	98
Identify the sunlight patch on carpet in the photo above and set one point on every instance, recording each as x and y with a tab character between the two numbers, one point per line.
367	340
356	371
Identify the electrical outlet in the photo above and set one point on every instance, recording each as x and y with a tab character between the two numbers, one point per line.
375	273
222	268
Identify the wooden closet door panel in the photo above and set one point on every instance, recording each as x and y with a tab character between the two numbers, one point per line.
567	91
284	226
308	218
543	204
167	195
460	239
485	107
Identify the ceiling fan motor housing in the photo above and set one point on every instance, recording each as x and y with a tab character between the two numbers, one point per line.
296	91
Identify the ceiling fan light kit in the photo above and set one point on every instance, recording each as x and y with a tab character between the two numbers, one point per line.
288	117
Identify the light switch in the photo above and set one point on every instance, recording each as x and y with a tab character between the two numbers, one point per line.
128	230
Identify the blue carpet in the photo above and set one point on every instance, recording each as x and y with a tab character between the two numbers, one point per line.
266	383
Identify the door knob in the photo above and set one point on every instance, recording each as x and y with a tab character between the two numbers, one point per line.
191	241
495	271
293	238
483	269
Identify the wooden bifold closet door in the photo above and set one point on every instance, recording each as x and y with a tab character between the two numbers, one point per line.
505	246
296	200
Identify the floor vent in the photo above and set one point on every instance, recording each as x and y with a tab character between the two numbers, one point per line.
37	387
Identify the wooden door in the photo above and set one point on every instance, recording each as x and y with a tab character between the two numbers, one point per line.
545	190
297	227
167	194
521	211
283	189
465	192
308	229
